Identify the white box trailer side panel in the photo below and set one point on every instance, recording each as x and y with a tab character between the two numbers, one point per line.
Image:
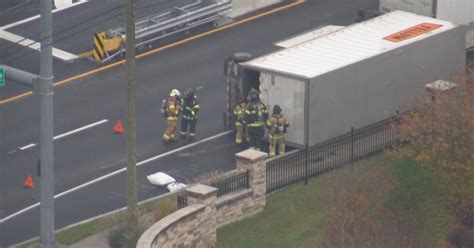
456	11
421	7
460	12
470	37
350	45
289	94
309	35
374	89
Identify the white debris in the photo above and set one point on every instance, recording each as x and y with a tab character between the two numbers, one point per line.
175	186
160	179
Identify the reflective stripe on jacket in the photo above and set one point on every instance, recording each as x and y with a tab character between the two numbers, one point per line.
256	114
190	109
239	112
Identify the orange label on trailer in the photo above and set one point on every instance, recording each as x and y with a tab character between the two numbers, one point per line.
412	32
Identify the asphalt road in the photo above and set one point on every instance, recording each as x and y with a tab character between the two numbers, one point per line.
73	29
96	151
110	194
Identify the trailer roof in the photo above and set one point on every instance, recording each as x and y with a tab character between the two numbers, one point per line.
351	44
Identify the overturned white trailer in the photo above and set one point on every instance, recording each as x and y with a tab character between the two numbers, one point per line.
354	76
459	12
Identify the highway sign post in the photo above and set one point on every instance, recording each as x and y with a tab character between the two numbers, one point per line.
2	77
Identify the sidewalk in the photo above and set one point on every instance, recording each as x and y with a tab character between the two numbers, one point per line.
98	240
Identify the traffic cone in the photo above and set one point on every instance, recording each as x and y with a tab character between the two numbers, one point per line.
118	128
29	184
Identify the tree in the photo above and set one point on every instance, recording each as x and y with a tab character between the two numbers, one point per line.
440	132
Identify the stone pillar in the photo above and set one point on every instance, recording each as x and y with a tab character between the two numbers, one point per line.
254	162
205	195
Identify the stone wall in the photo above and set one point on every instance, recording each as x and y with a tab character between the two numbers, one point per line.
196	224
236	206
192	226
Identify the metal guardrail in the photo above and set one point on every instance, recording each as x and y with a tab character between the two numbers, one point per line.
175	20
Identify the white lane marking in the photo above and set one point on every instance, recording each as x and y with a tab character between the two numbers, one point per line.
11	152
67	134
27	146
38	16
19	212
60	54
81	129
183	148
115	173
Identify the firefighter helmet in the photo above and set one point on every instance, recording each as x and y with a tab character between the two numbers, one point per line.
175	92
276	110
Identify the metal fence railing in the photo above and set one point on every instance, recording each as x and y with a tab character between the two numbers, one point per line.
226	186
182	201
357	144
232	184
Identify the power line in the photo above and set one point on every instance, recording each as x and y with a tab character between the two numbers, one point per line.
14	7
57	40
58	32
68	36
68	29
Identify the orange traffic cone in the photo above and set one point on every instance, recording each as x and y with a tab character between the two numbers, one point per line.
118	128
29	184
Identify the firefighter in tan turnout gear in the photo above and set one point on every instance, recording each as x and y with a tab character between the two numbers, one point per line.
172	112
277	125
240	126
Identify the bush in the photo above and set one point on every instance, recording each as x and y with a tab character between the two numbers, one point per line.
164	208
126	235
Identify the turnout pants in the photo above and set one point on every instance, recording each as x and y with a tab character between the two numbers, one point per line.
241	133
191	123
170	130
256	137
275	141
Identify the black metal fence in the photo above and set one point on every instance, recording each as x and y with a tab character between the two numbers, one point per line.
226	186
357	144
182	201
232	184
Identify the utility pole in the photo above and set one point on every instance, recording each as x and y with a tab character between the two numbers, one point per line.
45	91
131	99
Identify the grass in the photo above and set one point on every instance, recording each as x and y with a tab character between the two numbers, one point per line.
298	216
294	217
417	193
75	234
